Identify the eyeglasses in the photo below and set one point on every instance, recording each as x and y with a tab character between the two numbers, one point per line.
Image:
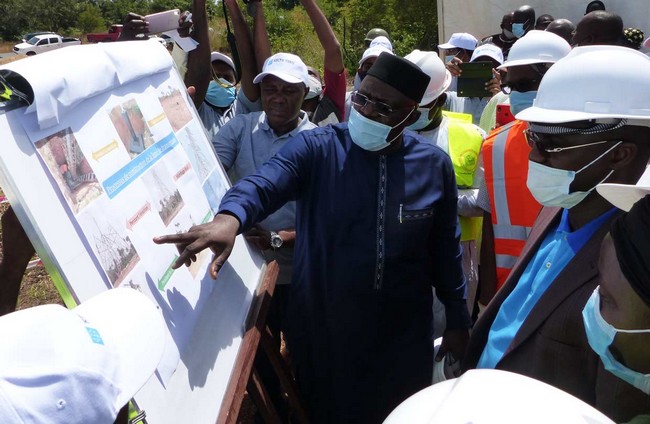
380	108
521	86
534	142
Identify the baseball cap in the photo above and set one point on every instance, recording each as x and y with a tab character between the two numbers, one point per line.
489	50
373	52
460	40
315	88
78	365
286	66
218	56
624	196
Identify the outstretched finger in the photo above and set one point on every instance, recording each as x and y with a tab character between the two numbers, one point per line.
181	238
218	261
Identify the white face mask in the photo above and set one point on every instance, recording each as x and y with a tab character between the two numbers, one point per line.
601	334
550	186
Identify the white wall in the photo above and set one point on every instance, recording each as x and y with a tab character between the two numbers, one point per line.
482	17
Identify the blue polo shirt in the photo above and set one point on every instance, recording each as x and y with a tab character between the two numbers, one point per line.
555	252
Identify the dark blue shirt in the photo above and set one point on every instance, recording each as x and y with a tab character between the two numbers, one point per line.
374	233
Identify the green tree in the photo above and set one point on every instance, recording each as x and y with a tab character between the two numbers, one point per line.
91	19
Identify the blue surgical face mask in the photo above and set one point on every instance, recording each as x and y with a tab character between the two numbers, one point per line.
518	30
423	121
220	96
368	134
551	186
520	101
601	334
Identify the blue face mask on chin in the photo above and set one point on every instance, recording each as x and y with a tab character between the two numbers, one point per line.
368	134
601	334
221	95
520	101
518	30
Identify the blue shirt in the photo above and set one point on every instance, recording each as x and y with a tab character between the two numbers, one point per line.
373	234
243	145
555	252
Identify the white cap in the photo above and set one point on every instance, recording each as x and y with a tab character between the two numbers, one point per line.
537	47
286	66
381	41
315	88
460	40
373	52
430	64
489	50
81	365
495	396
624	196
594	82
217	56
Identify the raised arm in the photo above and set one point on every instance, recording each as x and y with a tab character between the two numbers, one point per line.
333	55
198	60
262	43
245	49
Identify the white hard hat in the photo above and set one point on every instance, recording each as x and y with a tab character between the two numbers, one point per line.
594	82
430	64
624	196
495	396
537	47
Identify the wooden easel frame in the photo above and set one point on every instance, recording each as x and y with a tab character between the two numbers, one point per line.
259	339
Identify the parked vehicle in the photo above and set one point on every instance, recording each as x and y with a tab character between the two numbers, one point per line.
32	34
112	35
43	43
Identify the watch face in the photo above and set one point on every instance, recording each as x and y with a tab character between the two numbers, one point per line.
276	241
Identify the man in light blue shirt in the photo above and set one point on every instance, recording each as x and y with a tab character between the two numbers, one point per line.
249	140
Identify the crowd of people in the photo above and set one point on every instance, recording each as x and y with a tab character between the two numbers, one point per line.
514	225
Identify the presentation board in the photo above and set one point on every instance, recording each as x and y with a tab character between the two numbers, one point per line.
111	153
482	18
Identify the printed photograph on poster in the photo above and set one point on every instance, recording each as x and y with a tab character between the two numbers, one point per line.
70	168
167	199
214	188
203	160
131	127
112	245
173	104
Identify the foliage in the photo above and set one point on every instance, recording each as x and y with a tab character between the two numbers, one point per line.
410	23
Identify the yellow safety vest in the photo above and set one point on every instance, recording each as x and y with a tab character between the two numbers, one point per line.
464	148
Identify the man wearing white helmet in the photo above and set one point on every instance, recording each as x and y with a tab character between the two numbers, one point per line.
462	141
590	124
509	207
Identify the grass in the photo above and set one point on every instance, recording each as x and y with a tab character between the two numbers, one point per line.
6	46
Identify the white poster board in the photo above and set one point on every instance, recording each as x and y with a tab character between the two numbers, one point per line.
482	18
110	154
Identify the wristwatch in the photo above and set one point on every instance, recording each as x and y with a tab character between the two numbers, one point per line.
276	240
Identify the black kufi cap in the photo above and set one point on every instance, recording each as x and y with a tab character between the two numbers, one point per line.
631	236
400	74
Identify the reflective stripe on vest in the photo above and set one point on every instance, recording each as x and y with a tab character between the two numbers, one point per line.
465	117
514	210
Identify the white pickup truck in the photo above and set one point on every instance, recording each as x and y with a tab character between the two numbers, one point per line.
44	43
